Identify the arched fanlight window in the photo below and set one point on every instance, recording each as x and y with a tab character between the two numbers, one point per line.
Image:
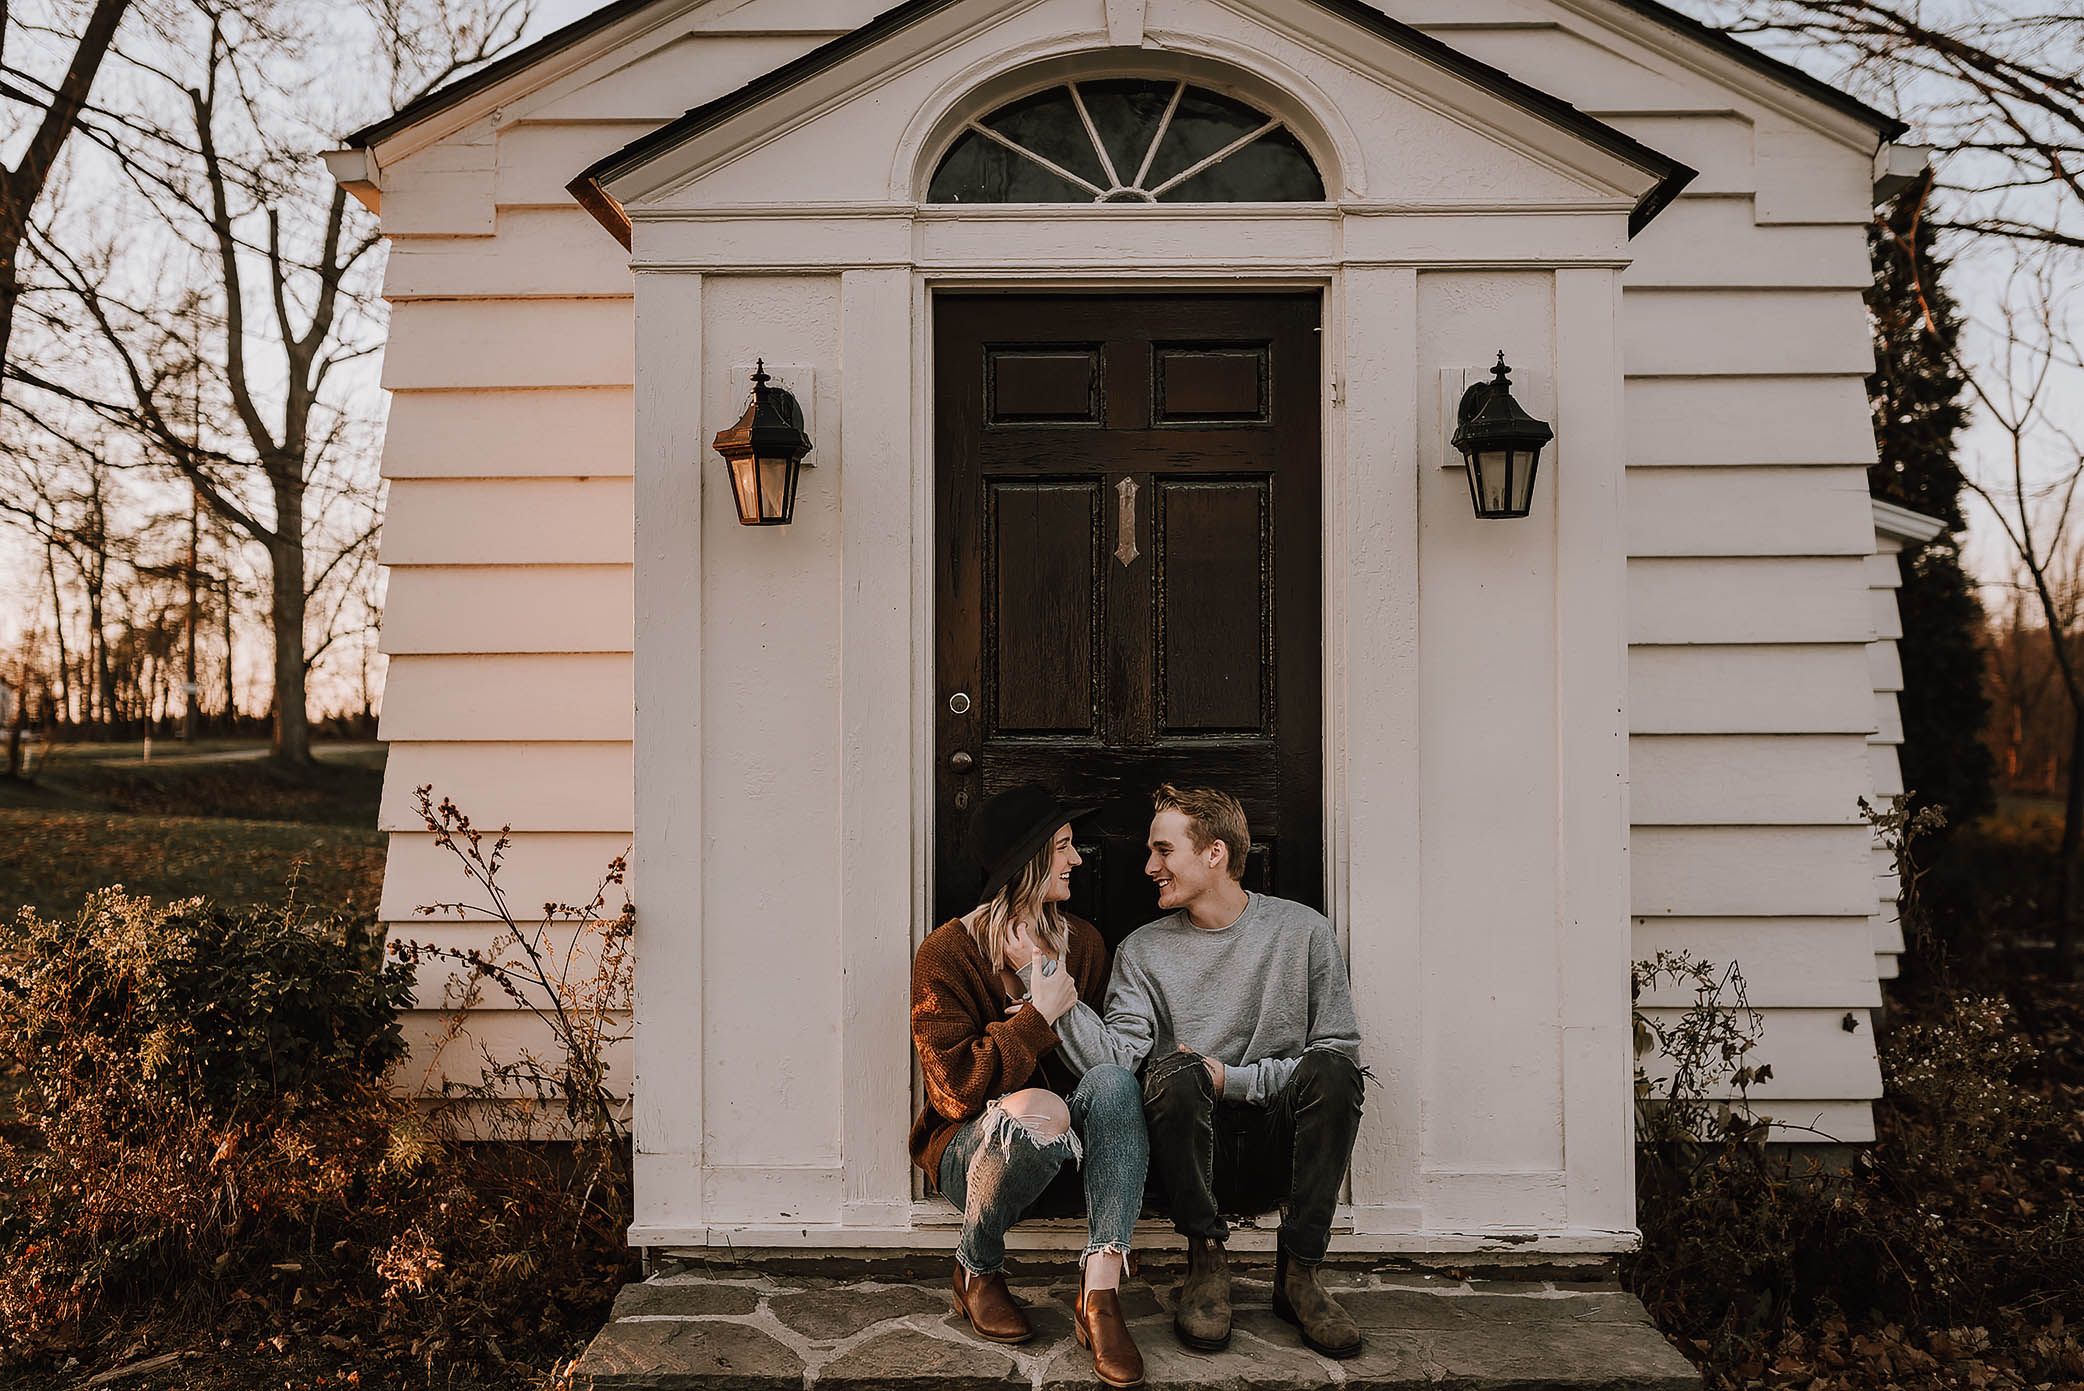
1126	140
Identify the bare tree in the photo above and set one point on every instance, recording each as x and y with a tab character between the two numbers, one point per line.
250	384
1997	89
2034	501
59	108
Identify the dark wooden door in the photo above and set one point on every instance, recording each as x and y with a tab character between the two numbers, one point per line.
1128	587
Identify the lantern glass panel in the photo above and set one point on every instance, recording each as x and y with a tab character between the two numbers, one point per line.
1522	488
761	488
1494	480
774	488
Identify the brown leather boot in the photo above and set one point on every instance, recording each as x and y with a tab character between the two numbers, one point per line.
1201	1311
1098	1323
986	1302
1300	1299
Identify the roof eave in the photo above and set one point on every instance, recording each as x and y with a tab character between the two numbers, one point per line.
591	186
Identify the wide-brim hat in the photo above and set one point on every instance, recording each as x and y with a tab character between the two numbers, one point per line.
1011	828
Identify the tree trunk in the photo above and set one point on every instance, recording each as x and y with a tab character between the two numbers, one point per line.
191	703
231	692
292	737
2066	852
50	567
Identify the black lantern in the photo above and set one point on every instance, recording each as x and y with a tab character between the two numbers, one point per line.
764	452
1501	444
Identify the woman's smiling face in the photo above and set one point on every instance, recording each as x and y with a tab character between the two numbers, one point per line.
1063	858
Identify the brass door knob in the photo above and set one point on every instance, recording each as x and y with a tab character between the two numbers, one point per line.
961	761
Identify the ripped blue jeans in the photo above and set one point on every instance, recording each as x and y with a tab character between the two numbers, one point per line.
994	1169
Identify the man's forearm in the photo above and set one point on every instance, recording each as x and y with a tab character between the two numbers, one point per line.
1086	1042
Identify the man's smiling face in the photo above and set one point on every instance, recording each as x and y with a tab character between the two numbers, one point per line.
1182	873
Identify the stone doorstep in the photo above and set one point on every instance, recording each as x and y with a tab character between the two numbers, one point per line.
740	1329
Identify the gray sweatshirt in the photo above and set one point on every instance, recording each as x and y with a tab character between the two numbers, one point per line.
1253	996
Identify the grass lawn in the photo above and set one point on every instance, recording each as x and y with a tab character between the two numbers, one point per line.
232	828
54	859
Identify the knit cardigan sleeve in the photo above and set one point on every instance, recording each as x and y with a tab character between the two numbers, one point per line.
969	1052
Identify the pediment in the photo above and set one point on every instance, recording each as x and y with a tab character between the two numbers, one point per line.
1392	115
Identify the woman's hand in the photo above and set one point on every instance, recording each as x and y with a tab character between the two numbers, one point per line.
1020	947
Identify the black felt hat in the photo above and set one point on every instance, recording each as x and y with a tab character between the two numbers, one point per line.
1011	828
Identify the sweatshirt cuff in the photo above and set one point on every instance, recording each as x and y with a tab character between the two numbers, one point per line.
1031	1027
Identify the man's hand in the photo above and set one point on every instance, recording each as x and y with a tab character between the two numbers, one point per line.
1215	1070
1050	987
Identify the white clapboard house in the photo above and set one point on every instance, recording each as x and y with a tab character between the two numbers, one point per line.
1130	338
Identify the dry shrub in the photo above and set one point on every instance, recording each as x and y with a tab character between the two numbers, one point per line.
208	1152
1948	1252
195	1082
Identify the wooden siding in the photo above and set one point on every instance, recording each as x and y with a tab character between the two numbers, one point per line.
1750	871
1744	332
1746	779
508	521
1676	421
534	253
447	344
1760	661
529	786
480	698
571	433
1786	962
509	609
1813	689
540	867
1755	599
1749	511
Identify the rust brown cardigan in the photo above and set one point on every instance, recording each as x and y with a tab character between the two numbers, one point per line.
970	1049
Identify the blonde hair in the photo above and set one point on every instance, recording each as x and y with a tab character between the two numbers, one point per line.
1021	899
1211	816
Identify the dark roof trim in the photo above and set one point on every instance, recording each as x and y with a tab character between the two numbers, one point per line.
723	108
494	73
1672	175
1886	126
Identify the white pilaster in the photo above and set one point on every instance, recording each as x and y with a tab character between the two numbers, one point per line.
877	826
668	856
1371	587
1592	751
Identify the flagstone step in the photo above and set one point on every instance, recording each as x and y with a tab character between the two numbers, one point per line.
739	1329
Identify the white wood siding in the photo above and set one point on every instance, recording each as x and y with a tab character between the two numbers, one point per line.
510	449
1885	670
1761	664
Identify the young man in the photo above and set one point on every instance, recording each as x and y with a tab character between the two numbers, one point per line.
1235	1005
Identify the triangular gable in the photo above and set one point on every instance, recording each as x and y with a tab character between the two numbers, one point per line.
1667	176
581	32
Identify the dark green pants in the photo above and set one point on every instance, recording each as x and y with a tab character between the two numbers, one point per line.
1210	1157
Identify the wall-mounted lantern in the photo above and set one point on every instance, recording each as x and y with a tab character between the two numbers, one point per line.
1500	444
764	452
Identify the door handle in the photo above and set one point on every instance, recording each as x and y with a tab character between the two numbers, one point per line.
961	761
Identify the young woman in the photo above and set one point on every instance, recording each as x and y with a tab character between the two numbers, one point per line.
1005	1112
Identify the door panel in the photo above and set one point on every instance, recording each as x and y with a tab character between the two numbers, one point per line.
1045	607
1127	586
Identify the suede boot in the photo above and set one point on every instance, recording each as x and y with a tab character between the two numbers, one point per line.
986	1302
1299	1298
1201	1312
1101	1330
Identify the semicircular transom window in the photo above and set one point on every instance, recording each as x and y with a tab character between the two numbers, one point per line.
1126	140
